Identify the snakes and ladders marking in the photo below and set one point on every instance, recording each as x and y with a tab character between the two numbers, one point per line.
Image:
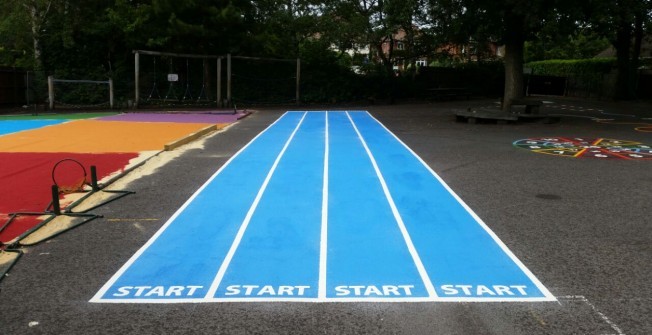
601	148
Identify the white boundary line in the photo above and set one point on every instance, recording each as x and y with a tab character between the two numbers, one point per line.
328	300
238	237
323	243
98	296
528	273
595	309
397	216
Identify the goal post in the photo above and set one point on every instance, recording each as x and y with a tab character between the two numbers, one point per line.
52	81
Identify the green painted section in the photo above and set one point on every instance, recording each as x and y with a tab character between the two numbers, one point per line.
55	116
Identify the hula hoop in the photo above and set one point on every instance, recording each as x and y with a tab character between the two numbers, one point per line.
75	187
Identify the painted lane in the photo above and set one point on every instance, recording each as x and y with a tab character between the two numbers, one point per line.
463	257
180	261
15	126
278	255
324	206
367	256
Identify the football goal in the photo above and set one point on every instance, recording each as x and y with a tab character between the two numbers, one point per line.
72	93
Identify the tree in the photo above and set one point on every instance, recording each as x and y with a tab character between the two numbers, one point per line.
374	24
36	14
623	22
510	22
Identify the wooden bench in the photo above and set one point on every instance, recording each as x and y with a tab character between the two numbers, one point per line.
531	105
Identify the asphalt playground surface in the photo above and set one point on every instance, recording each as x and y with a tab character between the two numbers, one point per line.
581	225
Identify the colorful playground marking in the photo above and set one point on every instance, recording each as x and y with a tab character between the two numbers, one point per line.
176	117
27	177
643	127
603	148
30	146
54	116
15	126
319	207
98	136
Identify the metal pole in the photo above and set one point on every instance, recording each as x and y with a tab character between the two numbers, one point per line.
219	82
137	78
228	79
56	206
111	92
27	100
51	91
298	95
94	184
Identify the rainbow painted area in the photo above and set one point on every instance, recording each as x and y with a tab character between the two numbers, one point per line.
576	147
30	146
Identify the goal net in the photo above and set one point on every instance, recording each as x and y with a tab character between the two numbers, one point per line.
80	94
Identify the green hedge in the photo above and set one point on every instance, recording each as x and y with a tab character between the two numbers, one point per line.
586	76
572	67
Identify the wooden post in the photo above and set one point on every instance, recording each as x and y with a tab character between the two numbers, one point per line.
298	90
219	82
111	92
51	91
137	78
228	79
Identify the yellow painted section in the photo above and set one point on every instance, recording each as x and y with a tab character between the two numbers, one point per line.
93	136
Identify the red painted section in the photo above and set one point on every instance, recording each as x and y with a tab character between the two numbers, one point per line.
26	181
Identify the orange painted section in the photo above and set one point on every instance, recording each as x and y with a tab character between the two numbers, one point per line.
91	136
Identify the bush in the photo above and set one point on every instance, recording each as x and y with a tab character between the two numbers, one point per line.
586	77
572	67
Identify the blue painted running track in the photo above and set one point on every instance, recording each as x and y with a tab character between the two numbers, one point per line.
14	126
324	206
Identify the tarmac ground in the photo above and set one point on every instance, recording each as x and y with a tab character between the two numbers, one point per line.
581	225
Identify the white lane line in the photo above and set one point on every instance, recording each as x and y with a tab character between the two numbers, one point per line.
595	309
247	219
98	296
397	216
317	300
528	273
323	243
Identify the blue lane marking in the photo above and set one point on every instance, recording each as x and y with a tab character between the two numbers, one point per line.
279	253
14	126
461	257
367	256
292	217
181	261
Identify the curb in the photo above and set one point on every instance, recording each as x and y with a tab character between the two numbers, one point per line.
173	145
